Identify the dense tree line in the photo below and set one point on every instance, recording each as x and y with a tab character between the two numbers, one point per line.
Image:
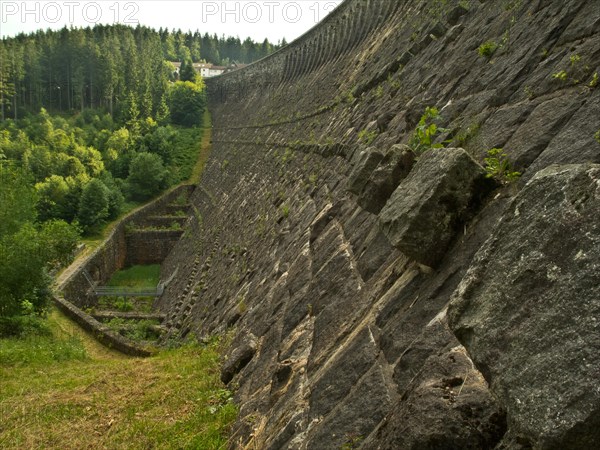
214	49
28	249
121	69
92	120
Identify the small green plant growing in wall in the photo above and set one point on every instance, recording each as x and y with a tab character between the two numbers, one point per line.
597	136
497	165
576	72
562	75
425	132
367	137
349	97
352	441
285	210
487	49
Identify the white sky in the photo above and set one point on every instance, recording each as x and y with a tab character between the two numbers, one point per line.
259	19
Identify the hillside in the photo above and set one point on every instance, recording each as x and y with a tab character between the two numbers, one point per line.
80	394
384	295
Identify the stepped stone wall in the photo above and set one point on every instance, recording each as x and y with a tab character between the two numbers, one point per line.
150	247
334	256
123	247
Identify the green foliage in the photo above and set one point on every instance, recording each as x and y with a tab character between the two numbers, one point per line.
487	49
136	277
33	349
93	205
367	137
466	134
61	240
576	72
353	441
562	75
141	330
597	136
285	210
17	197
497	165
182	404
147	176
28	250
426	131
116	200
187	71
187	102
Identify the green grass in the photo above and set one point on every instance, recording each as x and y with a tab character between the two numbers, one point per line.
95	398
40	349
186	149
137	277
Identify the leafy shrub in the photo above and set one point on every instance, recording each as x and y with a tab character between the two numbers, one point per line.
147	175
497	165
94	204
425	132
187	102
20	326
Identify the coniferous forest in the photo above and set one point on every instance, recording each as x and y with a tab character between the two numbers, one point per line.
92	121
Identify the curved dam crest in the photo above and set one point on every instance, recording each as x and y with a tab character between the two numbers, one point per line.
382	299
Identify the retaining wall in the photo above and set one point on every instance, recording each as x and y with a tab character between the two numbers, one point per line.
340	339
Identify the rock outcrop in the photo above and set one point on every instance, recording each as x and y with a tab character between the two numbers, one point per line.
528	309
425	211
315	237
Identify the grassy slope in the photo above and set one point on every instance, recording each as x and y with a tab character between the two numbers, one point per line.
68	392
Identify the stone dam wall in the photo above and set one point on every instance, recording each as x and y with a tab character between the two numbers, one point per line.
383	299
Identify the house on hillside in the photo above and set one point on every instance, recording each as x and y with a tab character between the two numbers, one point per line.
206	70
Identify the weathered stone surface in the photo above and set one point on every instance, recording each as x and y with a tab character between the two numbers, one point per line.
528	310
344	372
447	406
366	165
455	14
573	144
538	130
421	217
314	279
355	415
238	358
392	169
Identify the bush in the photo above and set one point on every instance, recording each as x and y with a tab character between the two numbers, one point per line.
94	204
487	49
187	102
26	325
425	132
497	165
147	176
